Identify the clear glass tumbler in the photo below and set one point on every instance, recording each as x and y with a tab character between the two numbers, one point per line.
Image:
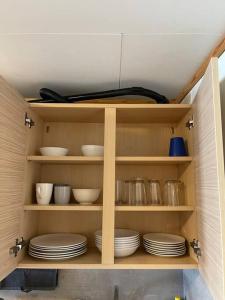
120	191
129	196
140	197
173	192
154	192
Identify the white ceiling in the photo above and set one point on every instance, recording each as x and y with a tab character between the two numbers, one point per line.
77	46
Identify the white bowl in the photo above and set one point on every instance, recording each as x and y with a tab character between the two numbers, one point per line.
86	196
92	150
121	247
121	252
54	151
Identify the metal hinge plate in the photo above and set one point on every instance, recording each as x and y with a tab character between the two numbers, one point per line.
28	121
195	244
190	123
20	244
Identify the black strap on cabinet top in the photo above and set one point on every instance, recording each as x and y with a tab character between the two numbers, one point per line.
50	96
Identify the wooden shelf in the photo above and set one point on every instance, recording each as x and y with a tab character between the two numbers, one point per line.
155	208
92	260
97	207
69	207
82	160
151	113
126	113
143	260
89	260
69	112
123	160
153	160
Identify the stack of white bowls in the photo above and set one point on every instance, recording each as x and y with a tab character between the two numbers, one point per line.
164	244
126	242
57	246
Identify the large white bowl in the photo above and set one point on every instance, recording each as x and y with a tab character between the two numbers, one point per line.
54	151
120	246
122	234
86	196
92	150
121	252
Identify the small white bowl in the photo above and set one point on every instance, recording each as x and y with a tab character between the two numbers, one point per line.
92	150
54	151
86	196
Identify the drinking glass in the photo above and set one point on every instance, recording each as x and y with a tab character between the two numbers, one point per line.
173	192
120	192
154	192
129	192
139	191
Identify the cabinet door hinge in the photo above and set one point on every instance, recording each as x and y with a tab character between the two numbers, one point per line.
190	123
28	121
195	244
20	244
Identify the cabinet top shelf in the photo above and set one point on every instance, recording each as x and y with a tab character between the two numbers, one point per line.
126	113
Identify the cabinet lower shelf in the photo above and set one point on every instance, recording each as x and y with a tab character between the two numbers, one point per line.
97	207
92	260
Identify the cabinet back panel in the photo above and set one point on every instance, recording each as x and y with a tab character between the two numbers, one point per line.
152	172
30	224
73	135
74	222
143	139
77	176
149	221
162	173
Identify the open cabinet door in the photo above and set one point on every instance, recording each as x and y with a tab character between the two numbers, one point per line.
12	169
210	180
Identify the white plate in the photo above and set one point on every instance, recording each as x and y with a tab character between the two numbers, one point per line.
57	256
52	256
56	240
163	250
57	253
166	254
164	238
58	248
164	245
126	234
160	246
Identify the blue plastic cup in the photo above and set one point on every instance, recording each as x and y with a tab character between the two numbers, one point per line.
177	147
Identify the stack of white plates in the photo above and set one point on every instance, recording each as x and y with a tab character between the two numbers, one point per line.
164	244
126	242
57	246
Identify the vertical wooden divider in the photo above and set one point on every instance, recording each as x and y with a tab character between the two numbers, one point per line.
108	217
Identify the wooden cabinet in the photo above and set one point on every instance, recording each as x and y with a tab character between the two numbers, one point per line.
136	140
